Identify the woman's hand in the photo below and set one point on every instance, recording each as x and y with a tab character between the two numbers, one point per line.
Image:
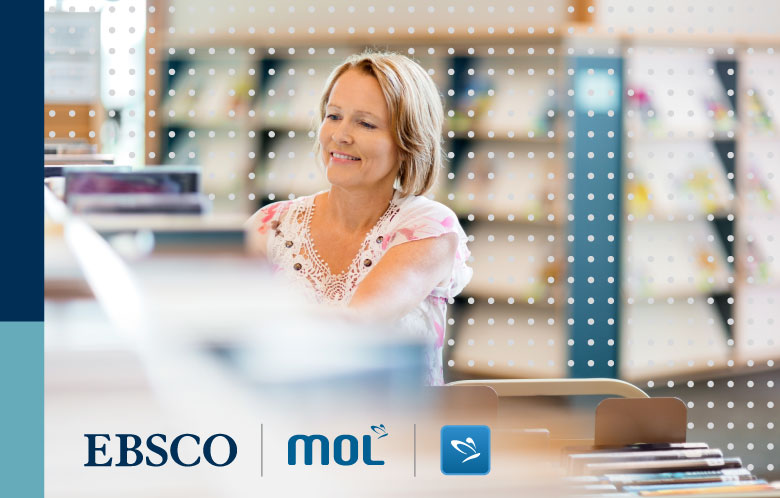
405	276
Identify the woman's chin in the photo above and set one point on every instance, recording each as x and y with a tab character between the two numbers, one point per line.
340	175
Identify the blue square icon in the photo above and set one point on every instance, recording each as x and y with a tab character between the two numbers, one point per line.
465	450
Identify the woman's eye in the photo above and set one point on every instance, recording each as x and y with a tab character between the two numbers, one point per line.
367	125
331	117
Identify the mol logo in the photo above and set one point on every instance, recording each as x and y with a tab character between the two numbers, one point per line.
343	444
465	450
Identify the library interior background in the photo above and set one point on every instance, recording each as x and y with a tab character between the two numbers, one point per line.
614	164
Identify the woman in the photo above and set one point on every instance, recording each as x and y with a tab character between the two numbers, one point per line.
371	242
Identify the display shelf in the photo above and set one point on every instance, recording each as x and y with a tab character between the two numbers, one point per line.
209	92
503	95
674	259
671	339
288	167
676	93
206	119
760	107
511	261
757	288
224	160
682	206
757	316
760	250
285	166
479	187
507	179
506	341
506	136
291	91
678	179
514	103
759	178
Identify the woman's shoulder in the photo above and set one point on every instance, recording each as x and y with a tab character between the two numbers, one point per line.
419	217
420	208
272	214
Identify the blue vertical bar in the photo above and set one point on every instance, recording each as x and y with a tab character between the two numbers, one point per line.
21	292
594	237
21	416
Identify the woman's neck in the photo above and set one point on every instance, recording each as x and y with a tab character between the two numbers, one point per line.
354	210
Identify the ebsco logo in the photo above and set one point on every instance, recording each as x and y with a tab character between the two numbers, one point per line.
131	451
465	450
323	443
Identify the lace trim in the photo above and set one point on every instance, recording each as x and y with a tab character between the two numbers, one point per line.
298	251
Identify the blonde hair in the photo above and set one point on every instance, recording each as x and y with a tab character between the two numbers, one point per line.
416	114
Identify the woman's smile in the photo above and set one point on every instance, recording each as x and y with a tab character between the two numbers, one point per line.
340	157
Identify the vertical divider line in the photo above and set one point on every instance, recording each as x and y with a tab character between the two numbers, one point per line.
261	450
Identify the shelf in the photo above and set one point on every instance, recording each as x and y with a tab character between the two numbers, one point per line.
757	315
500	136
505	341
760	258
292	170
759	178
678	93
681	135
679	339
759	82
380	37
501	97
241	124
679	178
507	264
697	267
498	180
200	90
481	186
482	215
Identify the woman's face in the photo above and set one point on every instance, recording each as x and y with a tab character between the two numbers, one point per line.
356	140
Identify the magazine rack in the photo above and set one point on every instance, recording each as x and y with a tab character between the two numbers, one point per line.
630	417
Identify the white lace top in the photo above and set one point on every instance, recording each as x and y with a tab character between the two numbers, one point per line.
291	251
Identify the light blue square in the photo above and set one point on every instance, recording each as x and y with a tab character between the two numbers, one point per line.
465	450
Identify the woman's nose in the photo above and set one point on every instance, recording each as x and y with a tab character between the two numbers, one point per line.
342	134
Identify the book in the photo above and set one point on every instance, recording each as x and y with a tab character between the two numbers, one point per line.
735	491
578	461
635	447
663	465
723	475
689	486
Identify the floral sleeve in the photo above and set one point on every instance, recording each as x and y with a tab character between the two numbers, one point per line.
432	219
264	221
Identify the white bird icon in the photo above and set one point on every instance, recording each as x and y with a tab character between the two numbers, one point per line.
468	444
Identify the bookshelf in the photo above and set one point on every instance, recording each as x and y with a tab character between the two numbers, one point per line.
507	175
757	286
709	180
72	106
207	119
507	184
504	177
680	208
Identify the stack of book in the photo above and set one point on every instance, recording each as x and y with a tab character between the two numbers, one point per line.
51	147
148	190
661	469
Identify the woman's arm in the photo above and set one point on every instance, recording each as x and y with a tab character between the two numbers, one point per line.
405	275
256	241
262	225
